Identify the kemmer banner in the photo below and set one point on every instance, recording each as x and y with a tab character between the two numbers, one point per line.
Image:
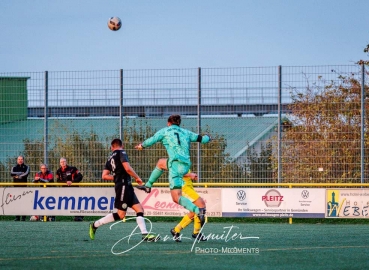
347	203
95	201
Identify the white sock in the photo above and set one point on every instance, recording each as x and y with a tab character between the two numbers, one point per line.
107	219
141	223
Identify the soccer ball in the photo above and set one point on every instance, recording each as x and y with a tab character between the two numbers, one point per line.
114	23
34	218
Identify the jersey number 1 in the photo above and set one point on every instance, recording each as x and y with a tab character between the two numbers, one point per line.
176	133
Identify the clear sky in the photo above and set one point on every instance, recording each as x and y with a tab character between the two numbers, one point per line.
72	35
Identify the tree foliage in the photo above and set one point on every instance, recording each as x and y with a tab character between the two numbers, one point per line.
323	144
260	164
365	62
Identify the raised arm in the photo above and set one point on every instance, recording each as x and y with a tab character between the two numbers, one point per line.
132	172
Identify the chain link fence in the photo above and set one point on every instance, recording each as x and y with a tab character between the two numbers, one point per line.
269	124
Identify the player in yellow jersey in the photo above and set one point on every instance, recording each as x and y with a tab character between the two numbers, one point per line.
190	193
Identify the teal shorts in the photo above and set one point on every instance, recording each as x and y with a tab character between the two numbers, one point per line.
176	172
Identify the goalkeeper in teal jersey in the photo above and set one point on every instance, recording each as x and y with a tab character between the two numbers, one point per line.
177	142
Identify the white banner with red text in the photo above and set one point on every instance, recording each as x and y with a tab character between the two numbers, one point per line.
273	202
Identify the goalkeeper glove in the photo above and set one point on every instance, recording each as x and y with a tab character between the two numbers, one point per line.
210	139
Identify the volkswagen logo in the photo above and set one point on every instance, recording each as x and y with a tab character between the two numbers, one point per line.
305	194
241	195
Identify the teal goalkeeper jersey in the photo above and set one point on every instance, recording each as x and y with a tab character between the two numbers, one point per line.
177	142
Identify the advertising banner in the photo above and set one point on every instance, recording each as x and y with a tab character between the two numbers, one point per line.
273	202
159	202
347	203
95	201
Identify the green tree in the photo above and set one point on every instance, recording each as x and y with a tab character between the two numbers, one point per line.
259	164
323	144
84	151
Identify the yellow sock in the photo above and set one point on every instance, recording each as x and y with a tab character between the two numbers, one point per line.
183	224
196	225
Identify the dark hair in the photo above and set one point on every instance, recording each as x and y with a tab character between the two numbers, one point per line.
116	142
175	119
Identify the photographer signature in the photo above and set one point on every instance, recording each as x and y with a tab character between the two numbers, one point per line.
228	234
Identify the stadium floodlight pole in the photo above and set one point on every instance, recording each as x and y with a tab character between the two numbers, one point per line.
199	122
279	123
121	133
46	124
362	147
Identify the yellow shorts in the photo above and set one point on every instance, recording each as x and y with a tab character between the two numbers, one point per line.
188	191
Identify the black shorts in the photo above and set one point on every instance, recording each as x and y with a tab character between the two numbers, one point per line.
125	197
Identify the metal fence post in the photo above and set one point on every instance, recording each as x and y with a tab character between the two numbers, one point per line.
199	122
46	124
279	123
362	162
121	132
